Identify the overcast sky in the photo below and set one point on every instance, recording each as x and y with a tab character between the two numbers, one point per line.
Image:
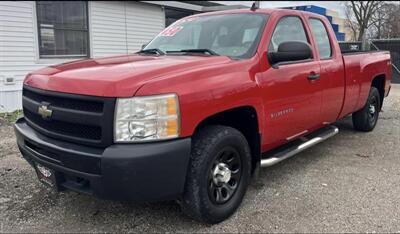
331	5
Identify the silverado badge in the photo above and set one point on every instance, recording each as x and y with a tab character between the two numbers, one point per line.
44	111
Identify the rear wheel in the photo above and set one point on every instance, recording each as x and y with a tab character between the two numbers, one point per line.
218	176
366	118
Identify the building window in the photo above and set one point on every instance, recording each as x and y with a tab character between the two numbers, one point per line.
62	29
172	15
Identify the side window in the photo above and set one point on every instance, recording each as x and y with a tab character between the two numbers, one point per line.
321	38
289	28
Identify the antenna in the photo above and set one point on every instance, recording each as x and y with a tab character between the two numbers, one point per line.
255	6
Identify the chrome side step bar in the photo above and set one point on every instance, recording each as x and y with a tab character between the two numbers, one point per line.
282	153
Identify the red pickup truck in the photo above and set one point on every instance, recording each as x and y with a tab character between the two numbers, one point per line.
195	113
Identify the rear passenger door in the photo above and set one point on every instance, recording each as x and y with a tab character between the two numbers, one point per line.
292	100
332	72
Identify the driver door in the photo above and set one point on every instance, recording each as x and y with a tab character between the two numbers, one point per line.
292	100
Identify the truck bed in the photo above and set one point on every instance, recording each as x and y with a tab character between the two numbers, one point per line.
348	48
360	68
348	52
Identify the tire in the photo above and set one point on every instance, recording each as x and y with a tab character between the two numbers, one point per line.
365	119
210	195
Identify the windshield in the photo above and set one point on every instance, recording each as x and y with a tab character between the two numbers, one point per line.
233	35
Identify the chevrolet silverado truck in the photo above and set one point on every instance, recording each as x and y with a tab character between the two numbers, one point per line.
197	111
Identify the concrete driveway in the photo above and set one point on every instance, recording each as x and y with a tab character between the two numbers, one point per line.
350	183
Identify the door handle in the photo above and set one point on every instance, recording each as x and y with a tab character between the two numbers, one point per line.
314	76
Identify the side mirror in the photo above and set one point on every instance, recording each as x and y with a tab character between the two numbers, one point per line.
144	45
290	51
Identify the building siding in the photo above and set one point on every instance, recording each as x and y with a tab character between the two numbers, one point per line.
123	27
148	19
114	28
17	50
107	28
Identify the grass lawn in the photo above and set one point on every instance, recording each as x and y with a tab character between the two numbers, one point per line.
10	117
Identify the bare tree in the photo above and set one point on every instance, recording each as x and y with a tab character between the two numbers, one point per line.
350	23
363	12
379	20
392	26
385	21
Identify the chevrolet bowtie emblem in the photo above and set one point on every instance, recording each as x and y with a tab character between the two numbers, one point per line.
44	111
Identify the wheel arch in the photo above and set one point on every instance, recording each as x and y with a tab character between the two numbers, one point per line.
379	82
246	120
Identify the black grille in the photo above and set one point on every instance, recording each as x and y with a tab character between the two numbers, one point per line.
81	105
76	118
59	127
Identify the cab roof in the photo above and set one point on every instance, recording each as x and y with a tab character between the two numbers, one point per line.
257	11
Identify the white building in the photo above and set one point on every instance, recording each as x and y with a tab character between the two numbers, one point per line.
38	34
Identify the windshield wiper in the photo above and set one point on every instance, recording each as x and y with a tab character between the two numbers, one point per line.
203	51
151	51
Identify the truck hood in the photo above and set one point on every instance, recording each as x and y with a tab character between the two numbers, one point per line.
119	76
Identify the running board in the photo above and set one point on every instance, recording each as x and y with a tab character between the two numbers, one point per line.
281	153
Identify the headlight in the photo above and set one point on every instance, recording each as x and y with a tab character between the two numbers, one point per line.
147	118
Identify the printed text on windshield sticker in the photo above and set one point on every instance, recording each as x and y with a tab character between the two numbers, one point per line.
186	20
171	31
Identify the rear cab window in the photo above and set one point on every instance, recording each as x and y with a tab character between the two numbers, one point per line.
321	38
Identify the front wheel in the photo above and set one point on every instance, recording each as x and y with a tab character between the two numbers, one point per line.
218	175
366	118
